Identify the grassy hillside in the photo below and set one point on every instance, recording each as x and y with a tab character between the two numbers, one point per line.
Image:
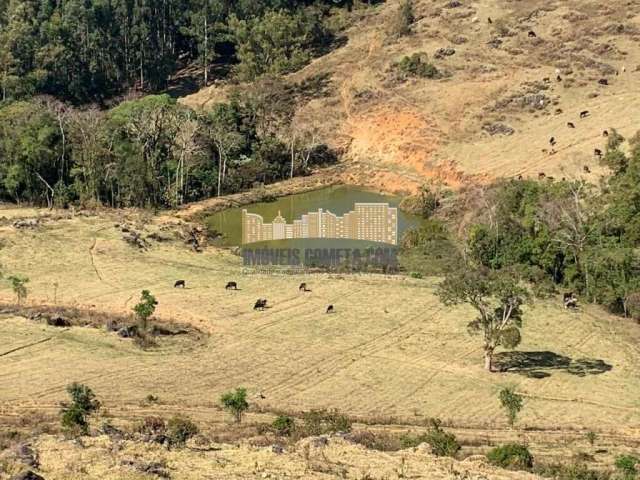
397	133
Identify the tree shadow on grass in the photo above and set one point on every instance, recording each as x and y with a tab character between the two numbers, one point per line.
541	364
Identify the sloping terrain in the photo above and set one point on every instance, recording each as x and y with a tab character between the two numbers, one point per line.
494	113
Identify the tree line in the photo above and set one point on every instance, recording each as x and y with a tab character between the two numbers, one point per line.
90	50
149	152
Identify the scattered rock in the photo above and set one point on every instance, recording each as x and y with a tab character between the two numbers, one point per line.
444	52
458	40
26	223
498	129
453	4
277	449
136	240
128	332
27	475
26	455
494	43
152	468
58	321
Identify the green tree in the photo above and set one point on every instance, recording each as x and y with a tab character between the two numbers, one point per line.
145	308
235	402
497	297
74	415
511	403
19	287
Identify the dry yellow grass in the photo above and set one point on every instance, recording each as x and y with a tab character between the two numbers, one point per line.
390	350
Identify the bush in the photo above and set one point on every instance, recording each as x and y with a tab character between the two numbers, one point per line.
151	426
443	444
74	415
417	65
574	471
180	429
318	422
403	19
284	425
626	465
417	275
235	402
512	455
511	402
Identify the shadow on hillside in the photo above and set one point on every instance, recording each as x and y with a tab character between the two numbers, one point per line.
540	364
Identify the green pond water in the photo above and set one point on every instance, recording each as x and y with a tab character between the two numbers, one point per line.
337	199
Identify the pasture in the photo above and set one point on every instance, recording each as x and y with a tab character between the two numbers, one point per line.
391	353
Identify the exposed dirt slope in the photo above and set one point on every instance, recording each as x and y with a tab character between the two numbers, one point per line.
398	134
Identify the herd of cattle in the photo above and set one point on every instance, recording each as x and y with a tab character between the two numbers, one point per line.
260	303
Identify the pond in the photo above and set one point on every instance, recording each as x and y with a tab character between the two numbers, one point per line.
337	199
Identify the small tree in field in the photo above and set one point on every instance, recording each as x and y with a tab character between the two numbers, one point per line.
511	402
18	284
145	308
235	403
74	414
497	297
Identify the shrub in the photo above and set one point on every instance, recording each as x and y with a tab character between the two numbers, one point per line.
318	422
403	19
511	402
512	455
74	415
443	444
235	402
417	65
180	429
415	275
575	471
591	437
18	285
626	465
284	425
151	426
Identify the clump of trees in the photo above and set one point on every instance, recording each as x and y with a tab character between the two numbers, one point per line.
149	152
89	51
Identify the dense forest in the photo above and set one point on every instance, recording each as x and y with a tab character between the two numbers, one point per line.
66	64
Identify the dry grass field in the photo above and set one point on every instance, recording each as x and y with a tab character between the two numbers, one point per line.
391	356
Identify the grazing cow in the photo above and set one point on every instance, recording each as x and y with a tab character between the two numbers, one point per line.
544	150
586	169
603	81
330	309
541	175
519	177
531	34
489	21
303	287
570	125
558	78
584	114
553	151
180	283
558	111
552	141
546	79
605	133
260	304
597	152
231	285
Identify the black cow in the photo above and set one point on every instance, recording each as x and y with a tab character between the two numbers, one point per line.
489	21
531	34
570	125
605	133
260	304
330	309
231	285
303	287
569	300
586	169
180	283
541	175
603	81
552	141
558	78
584	114
597	152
